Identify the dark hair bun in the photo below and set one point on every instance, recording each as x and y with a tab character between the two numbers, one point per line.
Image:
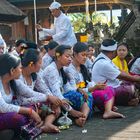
7	62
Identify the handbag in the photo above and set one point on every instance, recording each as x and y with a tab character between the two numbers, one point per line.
30	131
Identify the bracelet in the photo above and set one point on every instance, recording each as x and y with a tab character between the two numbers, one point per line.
68	108
30	111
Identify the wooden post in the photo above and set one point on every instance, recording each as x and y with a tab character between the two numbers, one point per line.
111	16
35	21
87	11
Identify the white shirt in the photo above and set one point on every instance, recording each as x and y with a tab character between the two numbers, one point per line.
89	64
6	101
76	77
62	32
27	95
104	71
15	53
46	60
136	67
53	80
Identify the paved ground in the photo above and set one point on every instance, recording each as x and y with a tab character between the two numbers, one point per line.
100	129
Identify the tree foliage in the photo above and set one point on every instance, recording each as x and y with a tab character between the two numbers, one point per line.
99	27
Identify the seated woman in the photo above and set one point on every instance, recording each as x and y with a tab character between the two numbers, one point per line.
119	60
103	96
134	66
59	84
29	81
90	58
121	63
13	116
50	53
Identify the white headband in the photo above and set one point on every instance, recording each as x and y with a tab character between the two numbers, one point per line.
109	48
55	5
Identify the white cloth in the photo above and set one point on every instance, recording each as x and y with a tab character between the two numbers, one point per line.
62	32
109	48
89	64
2	44
76	77
136	67
6	101
104	71
55	5
27	95
2	41
15	53
53	80
46	60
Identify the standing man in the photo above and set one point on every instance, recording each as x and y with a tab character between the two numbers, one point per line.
62	32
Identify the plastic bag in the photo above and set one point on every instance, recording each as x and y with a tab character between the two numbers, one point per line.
64	120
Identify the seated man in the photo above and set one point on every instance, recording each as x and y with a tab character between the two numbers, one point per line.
104	71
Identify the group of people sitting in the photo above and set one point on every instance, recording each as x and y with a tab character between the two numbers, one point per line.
59	78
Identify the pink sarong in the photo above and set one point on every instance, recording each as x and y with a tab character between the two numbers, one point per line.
101	97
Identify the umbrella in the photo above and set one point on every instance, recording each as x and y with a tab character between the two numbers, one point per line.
10	13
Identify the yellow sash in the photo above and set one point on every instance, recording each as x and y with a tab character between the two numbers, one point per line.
118	63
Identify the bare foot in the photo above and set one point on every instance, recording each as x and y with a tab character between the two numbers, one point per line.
114	108
133	102
112	114
80	121
50	128
76	114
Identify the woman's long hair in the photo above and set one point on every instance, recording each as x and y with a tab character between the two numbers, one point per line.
60	51
7	62
31	56
78	48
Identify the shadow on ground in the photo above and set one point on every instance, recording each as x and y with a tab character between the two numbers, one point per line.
98	128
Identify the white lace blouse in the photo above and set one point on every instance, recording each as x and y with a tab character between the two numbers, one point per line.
136	67
46	61
89	64
53	79
6	101
76	77
27	93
